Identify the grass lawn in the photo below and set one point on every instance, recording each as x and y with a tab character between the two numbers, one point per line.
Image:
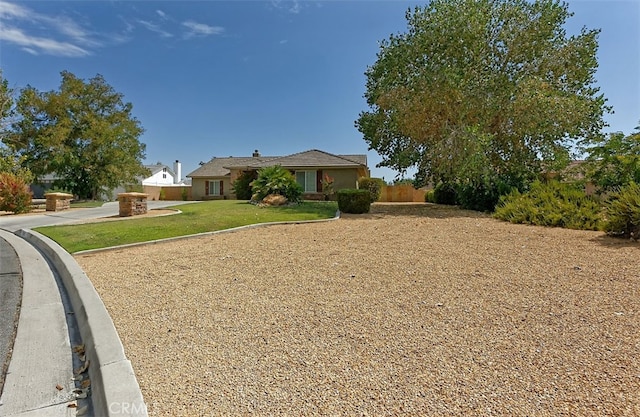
195	218
86	204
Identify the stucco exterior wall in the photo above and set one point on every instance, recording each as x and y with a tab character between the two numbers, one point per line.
342	178
198	189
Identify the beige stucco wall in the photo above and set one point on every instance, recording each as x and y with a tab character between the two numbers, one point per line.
198	188
343	178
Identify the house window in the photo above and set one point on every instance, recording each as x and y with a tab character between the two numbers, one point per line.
307	180
214	187
164	176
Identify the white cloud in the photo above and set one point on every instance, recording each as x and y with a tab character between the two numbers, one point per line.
293	6
201	29
64	36
36	45
10	10
155	28
162	14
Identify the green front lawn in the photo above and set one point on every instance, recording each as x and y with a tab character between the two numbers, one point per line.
86	204
195	218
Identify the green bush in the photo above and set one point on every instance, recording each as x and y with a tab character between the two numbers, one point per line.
444	194
242	185
354	201
430	196
14	193
374	185
551	204
623	212
276	180
481	194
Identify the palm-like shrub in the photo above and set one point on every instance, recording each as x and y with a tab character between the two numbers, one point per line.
276	180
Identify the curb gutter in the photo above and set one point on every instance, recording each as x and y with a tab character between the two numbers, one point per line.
115	389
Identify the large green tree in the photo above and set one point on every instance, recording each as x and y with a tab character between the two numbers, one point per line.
9	161
480	93
84	133
613	161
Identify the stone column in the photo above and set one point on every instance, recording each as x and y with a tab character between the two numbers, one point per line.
132	204
58	201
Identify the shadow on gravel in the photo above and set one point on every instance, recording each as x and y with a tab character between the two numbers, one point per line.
436	211
616	242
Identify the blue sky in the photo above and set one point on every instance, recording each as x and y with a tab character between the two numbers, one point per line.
222	78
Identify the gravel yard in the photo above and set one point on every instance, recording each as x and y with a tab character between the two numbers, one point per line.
412	309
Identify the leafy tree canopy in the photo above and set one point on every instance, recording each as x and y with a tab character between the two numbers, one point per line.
614	161
485	92
84	133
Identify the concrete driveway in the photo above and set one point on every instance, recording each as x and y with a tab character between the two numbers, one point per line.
12	223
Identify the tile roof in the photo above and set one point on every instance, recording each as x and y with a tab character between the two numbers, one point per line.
313	158
219	167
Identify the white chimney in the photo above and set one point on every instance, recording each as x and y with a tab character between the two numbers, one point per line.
177	170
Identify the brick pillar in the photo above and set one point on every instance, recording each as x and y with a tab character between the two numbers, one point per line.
58	201
132	204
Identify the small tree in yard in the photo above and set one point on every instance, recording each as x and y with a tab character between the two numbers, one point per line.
14	193
242	185
276	180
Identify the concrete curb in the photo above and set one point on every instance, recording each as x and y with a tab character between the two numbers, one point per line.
233	229
115	390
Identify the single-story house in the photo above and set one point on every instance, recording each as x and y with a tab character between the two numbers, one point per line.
214	179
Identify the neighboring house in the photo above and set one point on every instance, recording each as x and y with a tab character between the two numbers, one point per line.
162	175
214	179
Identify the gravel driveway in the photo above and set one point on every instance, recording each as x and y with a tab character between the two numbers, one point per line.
409	310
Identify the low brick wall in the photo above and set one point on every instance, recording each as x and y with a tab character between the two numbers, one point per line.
57	201
132	204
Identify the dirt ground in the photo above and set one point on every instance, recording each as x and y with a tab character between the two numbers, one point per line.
409	310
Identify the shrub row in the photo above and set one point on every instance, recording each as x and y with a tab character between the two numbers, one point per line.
552	204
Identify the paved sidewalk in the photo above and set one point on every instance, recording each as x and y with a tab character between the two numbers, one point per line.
39	378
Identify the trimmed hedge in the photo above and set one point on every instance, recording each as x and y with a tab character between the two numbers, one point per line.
374	185
354	201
